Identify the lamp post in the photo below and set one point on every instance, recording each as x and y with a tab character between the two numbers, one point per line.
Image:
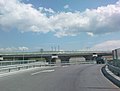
41	51
23	55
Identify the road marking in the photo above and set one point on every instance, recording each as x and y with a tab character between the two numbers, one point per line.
64	66
43	71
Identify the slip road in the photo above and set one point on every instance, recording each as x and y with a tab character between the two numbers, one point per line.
84	77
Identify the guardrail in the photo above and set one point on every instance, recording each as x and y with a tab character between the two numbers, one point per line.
115	70
5	63
20	66
9	68
116	63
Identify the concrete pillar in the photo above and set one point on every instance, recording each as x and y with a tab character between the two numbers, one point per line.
64	59
88	57
48	59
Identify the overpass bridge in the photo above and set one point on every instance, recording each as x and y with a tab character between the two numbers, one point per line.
53	55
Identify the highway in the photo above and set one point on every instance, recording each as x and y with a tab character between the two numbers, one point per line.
84	77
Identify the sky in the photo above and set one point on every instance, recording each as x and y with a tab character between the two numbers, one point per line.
31	25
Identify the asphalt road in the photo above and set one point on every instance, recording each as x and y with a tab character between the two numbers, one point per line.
84	77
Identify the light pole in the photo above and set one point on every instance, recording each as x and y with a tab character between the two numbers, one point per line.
41	50
52	48
58	48
23	55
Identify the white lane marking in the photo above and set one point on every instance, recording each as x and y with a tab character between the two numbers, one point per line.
43	71
64	66
5	74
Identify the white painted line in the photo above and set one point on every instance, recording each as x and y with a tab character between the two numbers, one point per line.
43	71
20	71
64	66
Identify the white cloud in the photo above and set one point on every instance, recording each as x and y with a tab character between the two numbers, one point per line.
23	48
7	49
14	49
108	45
49	10
66	6
89	33
15	14
68	24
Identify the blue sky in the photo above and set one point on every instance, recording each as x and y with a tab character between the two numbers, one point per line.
70	24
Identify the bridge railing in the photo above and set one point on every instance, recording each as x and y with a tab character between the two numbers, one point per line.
52	52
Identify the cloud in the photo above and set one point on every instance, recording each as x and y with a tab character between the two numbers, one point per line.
66	6
108	45
13	49
14	14
68	24
49	10
23	48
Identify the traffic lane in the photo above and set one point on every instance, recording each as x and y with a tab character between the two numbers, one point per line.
21	80
92	79
72	78
25	81
84	78
63	79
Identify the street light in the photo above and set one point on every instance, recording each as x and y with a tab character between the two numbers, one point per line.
23	55
41	50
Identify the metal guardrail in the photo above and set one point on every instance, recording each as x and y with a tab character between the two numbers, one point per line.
116	63
114	69
5	63
16	67
9	68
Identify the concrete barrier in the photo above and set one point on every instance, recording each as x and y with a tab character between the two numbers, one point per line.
110	77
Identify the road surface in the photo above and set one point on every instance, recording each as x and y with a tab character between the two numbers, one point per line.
84	77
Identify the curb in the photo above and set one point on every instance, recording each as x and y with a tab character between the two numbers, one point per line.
111	78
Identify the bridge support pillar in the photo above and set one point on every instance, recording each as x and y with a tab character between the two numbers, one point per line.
48	59
88	57
64	59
